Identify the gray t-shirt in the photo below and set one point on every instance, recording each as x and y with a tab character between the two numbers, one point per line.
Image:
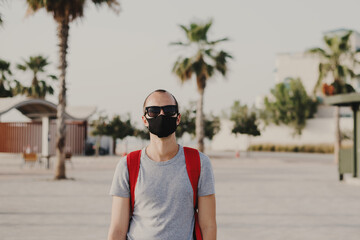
163	207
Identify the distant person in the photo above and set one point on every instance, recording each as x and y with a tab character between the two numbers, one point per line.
163	198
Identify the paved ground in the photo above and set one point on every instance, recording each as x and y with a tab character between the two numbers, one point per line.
265	196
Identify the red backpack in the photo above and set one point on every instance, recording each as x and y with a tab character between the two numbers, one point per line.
193	167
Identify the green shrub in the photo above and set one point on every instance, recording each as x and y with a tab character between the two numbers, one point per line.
309	148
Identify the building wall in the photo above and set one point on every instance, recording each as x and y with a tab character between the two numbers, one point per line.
306	66
298	65
317	131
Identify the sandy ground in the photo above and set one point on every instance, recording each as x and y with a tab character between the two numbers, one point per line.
261	196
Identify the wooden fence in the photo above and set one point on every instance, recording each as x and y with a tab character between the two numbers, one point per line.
15	137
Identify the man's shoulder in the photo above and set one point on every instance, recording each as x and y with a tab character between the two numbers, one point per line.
203	157
122	163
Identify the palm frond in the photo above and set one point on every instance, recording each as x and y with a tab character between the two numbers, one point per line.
112	4
208	52
183	68
329	40
210	70
318	51
218	41
221	62
344	71
207	26
324	69
21	67
179	44
18	87
34	5
344	44
67	10
206	60
50	90
5	67
198	32
185	29
346	37
34	63
53	77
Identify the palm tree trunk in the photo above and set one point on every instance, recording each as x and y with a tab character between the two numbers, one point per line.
248	145
97	145
199	124
114	146
34	80
63	33
337	143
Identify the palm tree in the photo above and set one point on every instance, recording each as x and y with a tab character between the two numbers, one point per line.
336	59
64	12
38	88
1	20
5	86
203	64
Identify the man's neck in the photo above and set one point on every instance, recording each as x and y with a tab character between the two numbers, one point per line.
162	149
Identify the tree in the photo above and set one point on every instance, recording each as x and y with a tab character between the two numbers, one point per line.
5	83
1	19
142	134
118	128
289	104
100	129
187	124
336	60
38	88
64	12
212	126
245	120
203	64
114	128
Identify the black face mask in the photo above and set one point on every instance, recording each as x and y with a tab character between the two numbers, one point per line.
162	126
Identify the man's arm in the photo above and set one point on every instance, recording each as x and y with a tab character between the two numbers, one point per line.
207	216
120	215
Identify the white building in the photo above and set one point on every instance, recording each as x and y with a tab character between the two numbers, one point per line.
306	66
319	130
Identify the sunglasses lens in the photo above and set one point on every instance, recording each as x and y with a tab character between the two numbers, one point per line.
170	110
153	111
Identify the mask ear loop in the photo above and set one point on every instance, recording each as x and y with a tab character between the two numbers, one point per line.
177	115
146	118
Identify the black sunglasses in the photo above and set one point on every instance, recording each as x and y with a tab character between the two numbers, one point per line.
154	111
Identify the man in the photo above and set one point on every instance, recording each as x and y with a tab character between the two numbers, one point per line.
163	194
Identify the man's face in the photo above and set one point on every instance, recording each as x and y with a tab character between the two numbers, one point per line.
159	99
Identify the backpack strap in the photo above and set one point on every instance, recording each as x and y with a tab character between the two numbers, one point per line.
193	167
133	164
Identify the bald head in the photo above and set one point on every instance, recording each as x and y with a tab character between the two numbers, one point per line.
159	97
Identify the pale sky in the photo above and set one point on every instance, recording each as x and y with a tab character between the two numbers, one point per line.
114	61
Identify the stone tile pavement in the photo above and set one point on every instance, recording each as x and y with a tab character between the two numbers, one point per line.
261	196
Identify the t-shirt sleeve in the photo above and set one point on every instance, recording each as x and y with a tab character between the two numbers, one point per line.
206	185
120	182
